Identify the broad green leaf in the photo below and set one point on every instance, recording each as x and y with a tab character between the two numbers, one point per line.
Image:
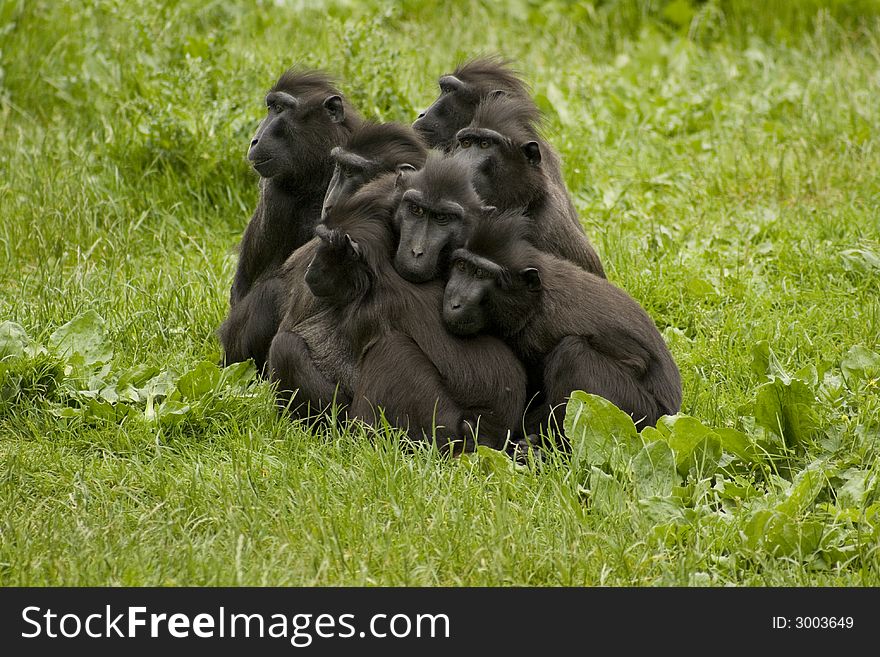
739	444
98	408
137	376
653	470
199	381
786	409
695	445
597	429
607	494
172	412
83	338
159	386
737	488
493	461
239	375
13	340
662	509
805	488
700	288
854	490
761	358
861	363
67	412
705	457
781	535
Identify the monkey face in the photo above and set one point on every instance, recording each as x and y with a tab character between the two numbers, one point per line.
349	175
465	300
483	153
453	109
285	136
428	233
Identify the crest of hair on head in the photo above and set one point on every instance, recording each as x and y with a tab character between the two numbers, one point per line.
514	118
365	218
500	236
442	178
303	84
494	69
392	143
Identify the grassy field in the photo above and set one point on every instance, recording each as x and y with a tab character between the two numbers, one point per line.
723	156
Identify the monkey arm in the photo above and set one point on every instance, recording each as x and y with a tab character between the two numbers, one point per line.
302	387
396	376
576	364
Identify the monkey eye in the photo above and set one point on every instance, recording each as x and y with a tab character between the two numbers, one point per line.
277	108
465	143
416	209
441	219
484	143
459	265
480	274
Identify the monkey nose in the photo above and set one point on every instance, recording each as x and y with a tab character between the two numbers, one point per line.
418	252
254	142
421	115
456	305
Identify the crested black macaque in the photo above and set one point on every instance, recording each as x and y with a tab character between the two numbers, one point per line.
460	93
437	207
410	369
307	345
463	90
572	329
306	117
372	149
502	150
309	356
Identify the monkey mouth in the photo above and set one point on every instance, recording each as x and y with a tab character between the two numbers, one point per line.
257	164
461	326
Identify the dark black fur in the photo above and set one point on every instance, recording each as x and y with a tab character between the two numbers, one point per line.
460	93
502	148
306	118
424	379
309	354
572	329
438	205
372	149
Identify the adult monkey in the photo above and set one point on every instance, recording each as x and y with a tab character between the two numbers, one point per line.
426	380
307	353
437	208
372	150
306	117
572	329
460	93
502	150
486	78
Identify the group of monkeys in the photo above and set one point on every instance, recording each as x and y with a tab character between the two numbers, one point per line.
434	277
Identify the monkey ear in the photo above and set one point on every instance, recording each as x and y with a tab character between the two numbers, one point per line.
532	152
353	247
532	278
403	172
335	108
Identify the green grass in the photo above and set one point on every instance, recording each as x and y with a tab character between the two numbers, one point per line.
723	157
